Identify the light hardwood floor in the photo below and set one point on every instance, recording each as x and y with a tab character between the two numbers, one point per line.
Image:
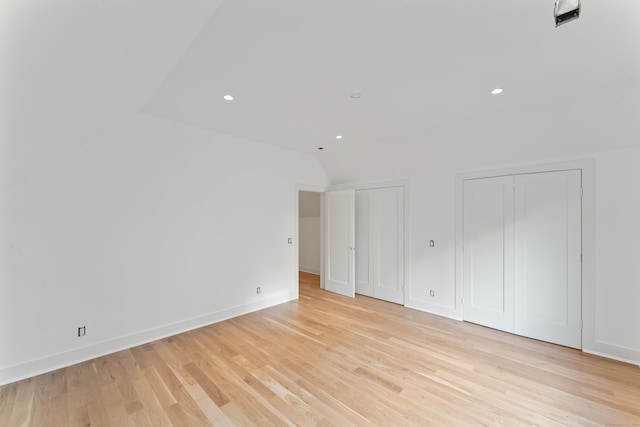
330	360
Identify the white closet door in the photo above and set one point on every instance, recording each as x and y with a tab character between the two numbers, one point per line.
548	240
488	252
388	245
364	254
340	241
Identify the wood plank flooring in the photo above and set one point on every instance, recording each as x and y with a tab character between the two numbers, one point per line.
328	360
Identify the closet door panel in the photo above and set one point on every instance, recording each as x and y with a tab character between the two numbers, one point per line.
388	232
340	241
488	252
364	250
548	257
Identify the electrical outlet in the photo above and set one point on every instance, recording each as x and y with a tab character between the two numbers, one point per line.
432	293
82	331
258	290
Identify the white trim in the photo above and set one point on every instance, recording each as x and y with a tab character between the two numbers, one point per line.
608	356
613	351
435	309
459	266
310	270
57	361
371	185
322	241
530	168
407	240
588	232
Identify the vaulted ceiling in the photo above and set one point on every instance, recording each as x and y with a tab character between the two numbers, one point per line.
424	70
72	69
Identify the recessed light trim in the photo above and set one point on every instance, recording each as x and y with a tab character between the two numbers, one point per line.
228	97
497	91
356	95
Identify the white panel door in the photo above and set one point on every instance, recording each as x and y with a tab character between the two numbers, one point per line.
488	252
388	244
364	254
548	279
340	240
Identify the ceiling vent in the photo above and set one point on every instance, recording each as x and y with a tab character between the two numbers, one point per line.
566	11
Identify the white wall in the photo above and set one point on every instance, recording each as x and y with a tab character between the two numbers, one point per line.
310	245
617	242
612	318
148	230
432	217
152	229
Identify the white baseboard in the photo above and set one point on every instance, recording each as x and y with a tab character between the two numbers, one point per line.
51	363
307	269
612	356
605	350
438	310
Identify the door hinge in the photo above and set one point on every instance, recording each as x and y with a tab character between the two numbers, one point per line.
580	192
462	301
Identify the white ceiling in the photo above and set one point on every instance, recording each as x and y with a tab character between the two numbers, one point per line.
425	69
71	69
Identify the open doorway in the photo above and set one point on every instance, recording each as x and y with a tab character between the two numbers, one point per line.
309	232
309	249
310	238
331	225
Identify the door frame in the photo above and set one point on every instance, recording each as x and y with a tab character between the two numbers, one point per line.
297	188
588	232
404	183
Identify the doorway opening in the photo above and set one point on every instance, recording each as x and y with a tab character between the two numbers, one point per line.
330	225
310	235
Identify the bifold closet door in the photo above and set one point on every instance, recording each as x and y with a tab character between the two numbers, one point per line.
488	252
548	239
522	238
388	244
380	242
364	231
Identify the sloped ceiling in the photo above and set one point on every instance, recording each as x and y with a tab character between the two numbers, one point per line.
424	70
70	69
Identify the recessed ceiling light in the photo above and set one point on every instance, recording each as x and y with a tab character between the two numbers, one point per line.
228	98
497	91
356	95
338	136
320	148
